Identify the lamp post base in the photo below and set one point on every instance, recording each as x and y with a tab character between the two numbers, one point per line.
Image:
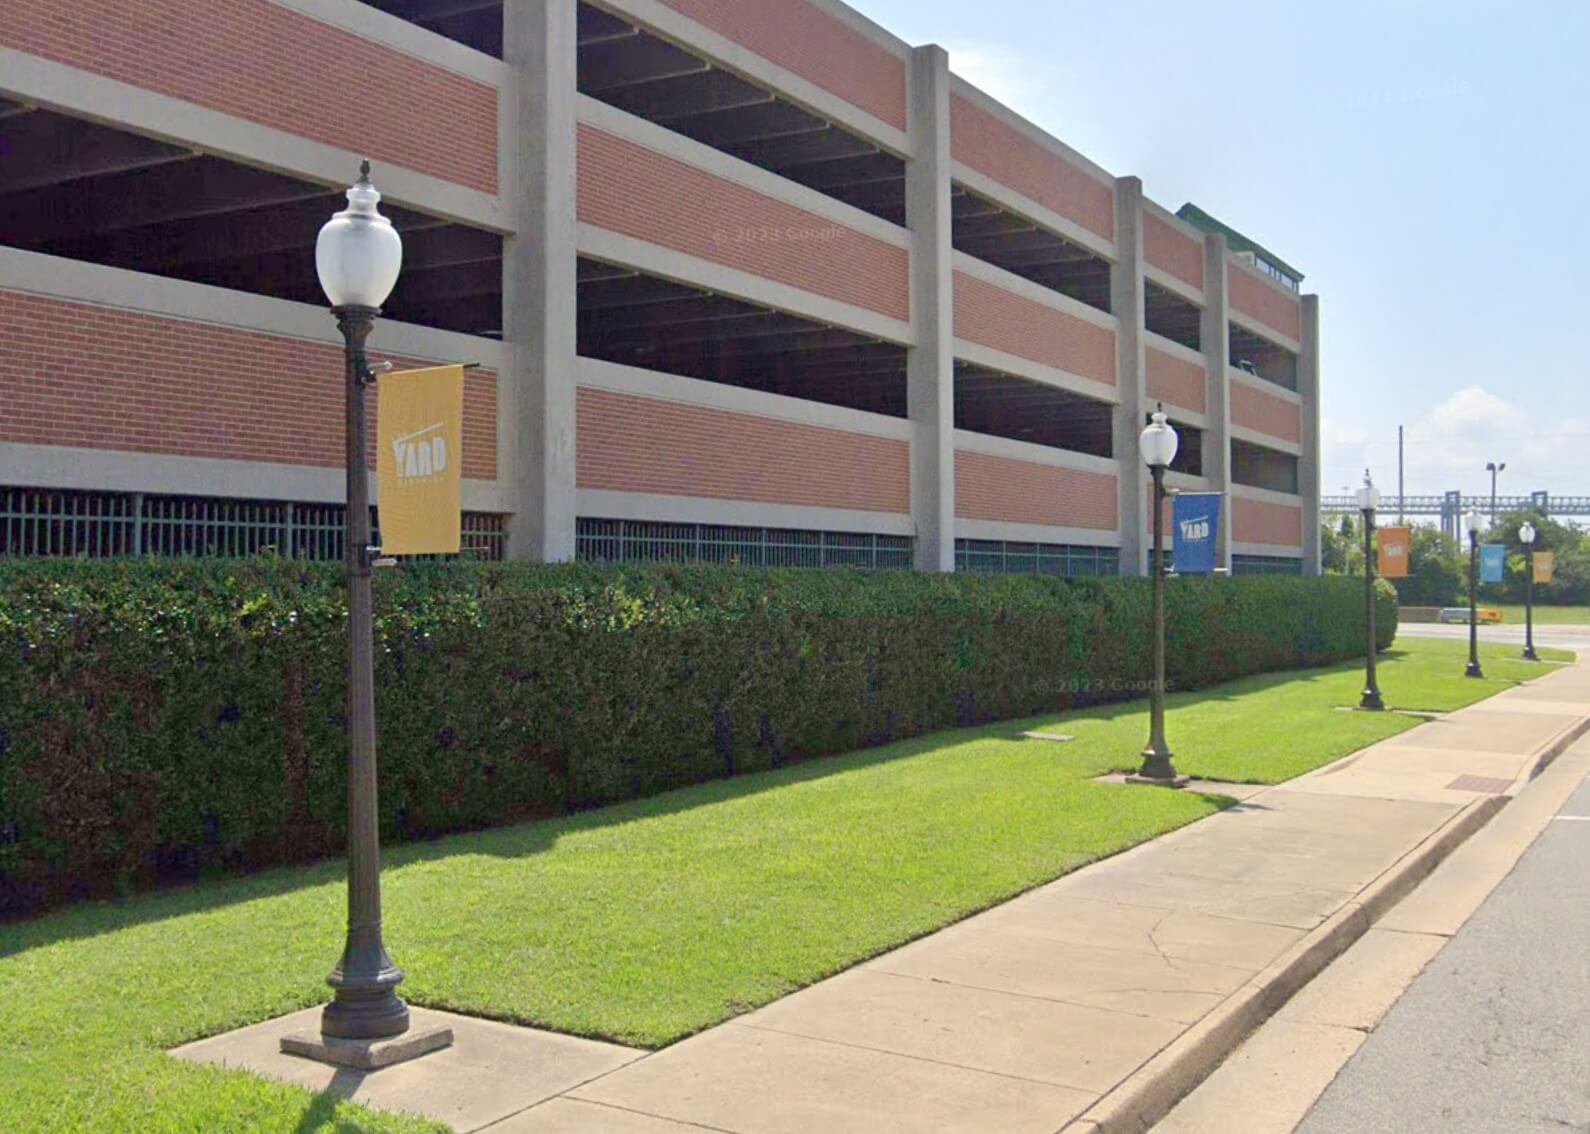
1530	654
1171	781
1157	769
1371	700
1473	670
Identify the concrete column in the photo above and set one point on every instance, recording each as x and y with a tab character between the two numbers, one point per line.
1214	332
930	363
537	387
1126	301
1308	469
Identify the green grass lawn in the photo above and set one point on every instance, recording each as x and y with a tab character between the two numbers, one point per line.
1545	615
647	921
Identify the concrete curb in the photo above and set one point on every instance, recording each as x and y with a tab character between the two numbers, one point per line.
1148	1094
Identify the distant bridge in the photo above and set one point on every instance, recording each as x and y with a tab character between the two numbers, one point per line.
1450	506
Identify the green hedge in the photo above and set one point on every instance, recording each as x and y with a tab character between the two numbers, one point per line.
158	718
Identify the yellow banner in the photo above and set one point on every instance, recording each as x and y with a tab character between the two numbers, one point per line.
1395	546
1545	562
420	416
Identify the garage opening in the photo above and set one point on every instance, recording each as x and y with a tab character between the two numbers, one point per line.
1003	405
993	233
635	319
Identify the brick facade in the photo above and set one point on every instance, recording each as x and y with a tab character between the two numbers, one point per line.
1261	521
1175	380
1259	299
94	377
1266	413
641	444
1170	250
1026	492
1000	151
280	68
804	39
986	313
628	188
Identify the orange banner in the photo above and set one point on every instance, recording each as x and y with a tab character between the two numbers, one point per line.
420	415
1396	544
1545	563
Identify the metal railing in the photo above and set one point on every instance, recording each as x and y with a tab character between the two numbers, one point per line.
649	541
1004	557
65	523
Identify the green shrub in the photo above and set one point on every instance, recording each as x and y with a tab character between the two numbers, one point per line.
159	718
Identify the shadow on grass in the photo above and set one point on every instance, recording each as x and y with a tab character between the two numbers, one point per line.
320	1116
524	840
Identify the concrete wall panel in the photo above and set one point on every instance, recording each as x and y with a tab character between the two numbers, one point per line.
1259	299
1172	250
989	487
988	314
1176	381
1269	414
1262	521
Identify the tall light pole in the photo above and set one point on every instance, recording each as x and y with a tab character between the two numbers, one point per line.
1368	501
1526	536
358	256
1472	523
1157	444
1494	467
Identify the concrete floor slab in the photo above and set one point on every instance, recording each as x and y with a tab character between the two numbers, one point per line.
1181	935
1267	1086
750	1081
1069	1045
1471	730
575	1116
1005	961
1364	982
491	1071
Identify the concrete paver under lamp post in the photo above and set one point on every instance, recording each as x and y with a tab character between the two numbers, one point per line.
1157	443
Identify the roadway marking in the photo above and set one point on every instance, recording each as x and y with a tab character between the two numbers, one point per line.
1570	818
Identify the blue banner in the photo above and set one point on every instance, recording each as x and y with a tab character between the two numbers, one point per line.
1195	522
1493	558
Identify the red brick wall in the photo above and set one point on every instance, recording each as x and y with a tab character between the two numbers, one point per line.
630	443
1024	492
637	191
105	378
1171	250
988	314
277	67
1260	521
1175	380
1257	299
821	49
1255	409
1010	157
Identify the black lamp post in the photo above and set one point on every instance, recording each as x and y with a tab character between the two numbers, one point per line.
1494	467
1368	501
358	256
1472	523
1526	536
1157	444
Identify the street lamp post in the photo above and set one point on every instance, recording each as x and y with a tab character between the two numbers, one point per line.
1494	467
1526	536
1368	501
358	256
1158	447
1472	523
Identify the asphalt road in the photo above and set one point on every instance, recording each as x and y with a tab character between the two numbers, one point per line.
1570	637
1494	1036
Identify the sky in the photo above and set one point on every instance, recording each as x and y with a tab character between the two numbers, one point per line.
1423	164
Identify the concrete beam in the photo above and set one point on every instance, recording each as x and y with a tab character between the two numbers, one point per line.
930	362
539	304
1126	301
1214	334
1308	469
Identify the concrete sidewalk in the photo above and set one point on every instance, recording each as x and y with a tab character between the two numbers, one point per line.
1093	1003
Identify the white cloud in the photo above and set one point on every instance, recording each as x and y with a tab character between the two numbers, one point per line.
1449	446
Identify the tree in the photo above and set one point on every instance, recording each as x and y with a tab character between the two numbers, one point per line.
1569	546
1436	569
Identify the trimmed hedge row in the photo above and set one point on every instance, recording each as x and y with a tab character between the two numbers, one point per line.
158	718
